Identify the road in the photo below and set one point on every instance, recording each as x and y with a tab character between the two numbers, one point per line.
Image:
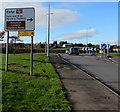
84	93
101	68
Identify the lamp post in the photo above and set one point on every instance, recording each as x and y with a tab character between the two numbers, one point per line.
48	38
87	41
48	34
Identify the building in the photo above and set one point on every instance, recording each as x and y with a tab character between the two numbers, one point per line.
67	45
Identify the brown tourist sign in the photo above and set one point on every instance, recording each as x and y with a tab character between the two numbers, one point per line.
11	25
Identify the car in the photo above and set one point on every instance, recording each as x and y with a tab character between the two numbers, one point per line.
67	51
73	50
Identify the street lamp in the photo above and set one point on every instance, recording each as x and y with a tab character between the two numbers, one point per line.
87	40
48	36
48	39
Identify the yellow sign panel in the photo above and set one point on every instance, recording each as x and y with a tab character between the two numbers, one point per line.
101	51
25	33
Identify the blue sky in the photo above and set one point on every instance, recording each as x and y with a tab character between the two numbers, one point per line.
101	16
75	21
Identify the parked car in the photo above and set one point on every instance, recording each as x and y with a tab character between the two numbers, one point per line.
67	51
73	50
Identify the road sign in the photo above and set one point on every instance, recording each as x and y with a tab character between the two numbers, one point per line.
103	46
89	49
19	19
25	33
94	49
83	49
101	51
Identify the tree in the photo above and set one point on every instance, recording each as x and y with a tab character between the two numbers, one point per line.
2	35
89	45
14	39
55	44
62	42
79	45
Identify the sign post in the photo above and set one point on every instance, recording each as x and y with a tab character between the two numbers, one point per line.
31	61
108	46
22	20
7	43
104	46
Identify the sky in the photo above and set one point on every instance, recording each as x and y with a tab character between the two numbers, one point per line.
74	22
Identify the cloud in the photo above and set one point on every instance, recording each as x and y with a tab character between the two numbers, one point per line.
77	35
62	16
58	18
112	42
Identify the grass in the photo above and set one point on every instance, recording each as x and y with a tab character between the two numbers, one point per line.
22	92
114	53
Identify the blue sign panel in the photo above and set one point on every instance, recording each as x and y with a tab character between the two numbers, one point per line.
104	46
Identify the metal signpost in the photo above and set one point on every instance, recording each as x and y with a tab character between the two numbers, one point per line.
20	19
6	65
31	61
108	47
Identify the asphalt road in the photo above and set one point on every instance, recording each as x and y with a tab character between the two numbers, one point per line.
101	68
85	94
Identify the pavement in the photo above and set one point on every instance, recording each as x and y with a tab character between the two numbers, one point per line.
85	93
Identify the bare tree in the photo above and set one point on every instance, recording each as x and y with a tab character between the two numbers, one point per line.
2	35
14	39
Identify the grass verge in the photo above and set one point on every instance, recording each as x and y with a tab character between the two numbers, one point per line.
40	92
